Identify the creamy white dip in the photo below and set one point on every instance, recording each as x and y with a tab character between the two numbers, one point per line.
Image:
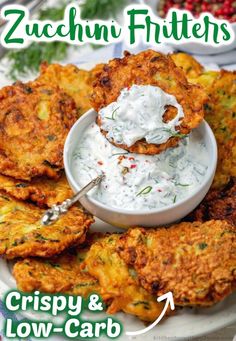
138	113
135	181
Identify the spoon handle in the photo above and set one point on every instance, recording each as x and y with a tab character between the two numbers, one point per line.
54	213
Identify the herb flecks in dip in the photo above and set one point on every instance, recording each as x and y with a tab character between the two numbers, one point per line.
136	181
138	114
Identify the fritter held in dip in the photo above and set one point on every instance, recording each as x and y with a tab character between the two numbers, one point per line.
43	191
75	82
218	204
23	235
150	68
34	122
195	261
60	274
119	283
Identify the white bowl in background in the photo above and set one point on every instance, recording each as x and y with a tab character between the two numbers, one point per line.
195	48
127	218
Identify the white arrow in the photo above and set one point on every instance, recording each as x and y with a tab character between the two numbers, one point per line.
169	301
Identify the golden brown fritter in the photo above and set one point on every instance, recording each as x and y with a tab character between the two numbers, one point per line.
23	235
60	274
150	68
119	283
218	205
195	261
220	113
75	82
43	191
64	274
190	65
34	122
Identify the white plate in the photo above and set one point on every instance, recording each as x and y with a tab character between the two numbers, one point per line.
185	324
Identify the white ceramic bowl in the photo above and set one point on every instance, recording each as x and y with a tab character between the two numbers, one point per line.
124	218
196	48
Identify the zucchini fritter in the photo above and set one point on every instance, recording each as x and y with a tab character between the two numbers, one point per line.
190	65
34	122
195	261
22	235
220	113
119	283
150	68
104	272
43	191
218	205
61	274
75	82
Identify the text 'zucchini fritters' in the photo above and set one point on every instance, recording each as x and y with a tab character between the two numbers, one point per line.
150	68
22	235
195	261
35	120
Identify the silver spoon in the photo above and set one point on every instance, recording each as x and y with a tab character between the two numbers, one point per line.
54	213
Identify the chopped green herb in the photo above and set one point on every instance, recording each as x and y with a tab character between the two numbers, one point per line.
145	303
133	273
120	154
109	118
175	134
51	137
113	113
202	246
174	200
88	284
182	185
145	190
54	265
21	185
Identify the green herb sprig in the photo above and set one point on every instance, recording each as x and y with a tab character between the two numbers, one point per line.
145	190
28	60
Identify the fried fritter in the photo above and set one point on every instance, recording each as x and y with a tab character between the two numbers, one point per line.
43	191
190	65
75	82
119	283
34	122
112	279
61	274
195	261
220	113
150	68
218	204
22	235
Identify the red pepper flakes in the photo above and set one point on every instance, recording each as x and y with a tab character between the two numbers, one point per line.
159	190
100	163
133	166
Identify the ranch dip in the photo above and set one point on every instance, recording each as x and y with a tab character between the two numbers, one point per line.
135	181
138	113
